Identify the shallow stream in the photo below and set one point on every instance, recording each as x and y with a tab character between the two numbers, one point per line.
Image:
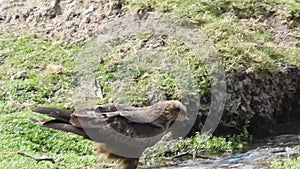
261	154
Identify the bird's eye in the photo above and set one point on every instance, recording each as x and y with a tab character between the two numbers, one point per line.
177	109
97	109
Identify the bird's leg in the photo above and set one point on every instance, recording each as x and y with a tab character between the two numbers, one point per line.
129	163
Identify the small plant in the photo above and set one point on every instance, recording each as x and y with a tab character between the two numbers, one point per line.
290	164
209	144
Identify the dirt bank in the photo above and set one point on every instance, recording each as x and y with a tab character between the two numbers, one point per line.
265	102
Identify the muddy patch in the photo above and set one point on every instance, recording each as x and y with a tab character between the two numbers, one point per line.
280	31
70	21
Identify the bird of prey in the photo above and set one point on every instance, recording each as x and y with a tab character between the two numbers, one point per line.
119	132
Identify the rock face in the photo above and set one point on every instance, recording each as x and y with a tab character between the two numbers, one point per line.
266	103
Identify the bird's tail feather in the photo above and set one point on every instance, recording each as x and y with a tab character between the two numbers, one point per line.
59	125
62	115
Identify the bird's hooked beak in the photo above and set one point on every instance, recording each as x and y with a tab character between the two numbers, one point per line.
182	116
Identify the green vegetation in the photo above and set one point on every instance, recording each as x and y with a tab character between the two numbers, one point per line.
43	84
213	146
236	27
128	76
291	163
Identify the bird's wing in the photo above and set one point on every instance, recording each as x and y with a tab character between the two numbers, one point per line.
87	118
106	108
147	115
114	107
105	112
102	116
90	118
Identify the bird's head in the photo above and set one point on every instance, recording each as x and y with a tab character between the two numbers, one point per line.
175	110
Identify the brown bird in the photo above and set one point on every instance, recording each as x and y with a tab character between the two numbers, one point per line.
120	132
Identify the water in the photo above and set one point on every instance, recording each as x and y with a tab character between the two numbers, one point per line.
260	155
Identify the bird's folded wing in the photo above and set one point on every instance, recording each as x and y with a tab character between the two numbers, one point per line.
87	118
114	107
101	115
143	115
106	108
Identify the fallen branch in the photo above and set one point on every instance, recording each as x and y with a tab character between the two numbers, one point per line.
173	157
190	154
38	159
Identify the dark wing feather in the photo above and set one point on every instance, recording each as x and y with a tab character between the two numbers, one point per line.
142	115
62	115
59	125
114	107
